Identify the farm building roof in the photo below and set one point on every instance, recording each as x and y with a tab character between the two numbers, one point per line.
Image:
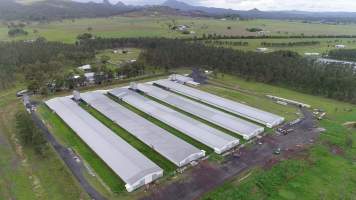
232	123
207	135
171	147
129	164
254	114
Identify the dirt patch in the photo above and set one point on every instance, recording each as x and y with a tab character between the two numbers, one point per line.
206	177
270	163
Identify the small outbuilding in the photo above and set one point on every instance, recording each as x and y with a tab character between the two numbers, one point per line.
85	67
340	46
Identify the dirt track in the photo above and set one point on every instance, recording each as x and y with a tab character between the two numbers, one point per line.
206	177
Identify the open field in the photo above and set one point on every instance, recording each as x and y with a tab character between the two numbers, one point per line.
25	175
142	26
325	45
327	171
119	58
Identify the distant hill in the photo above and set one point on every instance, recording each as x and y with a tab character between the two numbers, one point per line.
59	9
161	11
187	7
66	9
255	13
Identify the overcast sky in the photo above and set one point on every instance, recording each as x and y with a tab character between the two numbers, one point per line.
305	5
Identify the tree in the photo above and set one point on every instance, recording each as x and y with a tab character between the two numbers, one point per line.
13	32
29	134
85	36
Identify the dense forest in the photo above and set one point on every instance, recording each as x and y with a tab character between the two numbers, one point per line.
38	62
45	60
284	68
343	54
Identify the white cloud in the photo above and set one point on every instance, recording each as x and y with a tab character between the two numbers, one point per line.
307	5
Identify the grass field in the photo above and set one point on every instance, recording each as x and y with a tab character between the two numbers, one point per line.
119	58
326	44
143	26
23	174
322	173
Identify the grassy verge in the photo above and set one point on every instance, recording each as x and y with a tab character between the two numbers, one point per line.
168	128
70	139
165	164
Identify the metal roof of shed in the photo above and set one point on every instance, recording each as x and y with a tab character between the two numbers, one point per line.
242	127
207	135
268	119
129	164
171	147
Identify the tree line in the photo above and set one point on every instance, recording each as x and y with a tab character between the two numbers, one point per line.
218	37
289	44
46	60
284	68
226	43
28	133
343	54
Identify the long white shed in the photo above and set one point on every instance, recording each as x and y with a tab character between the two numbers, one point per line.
129	164
244	128
171	147
203	133
268	119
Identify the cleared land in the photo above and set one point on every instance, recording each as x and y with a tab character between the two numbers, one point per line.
120	26
118	58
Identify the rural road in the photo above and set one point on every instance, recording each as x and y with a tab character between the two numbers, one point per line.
76	168
205	177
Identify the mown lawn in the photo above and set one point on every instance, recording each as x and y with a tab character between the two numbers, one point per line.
323	174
